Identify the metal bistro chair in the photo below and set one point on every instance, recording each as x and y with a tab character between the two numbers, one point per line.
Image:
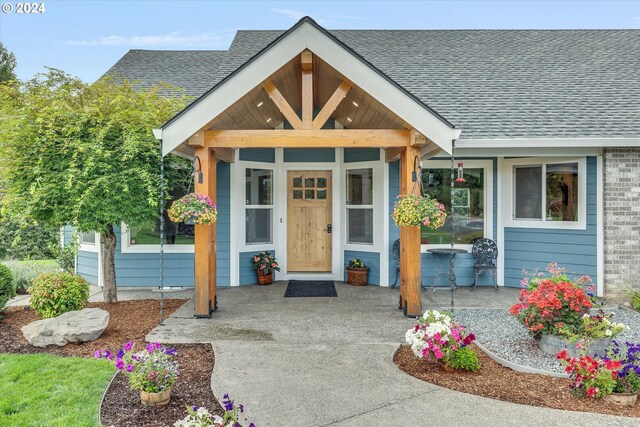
485	252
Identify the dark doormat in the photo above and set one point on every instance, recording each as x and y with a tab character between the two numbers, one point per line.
310	288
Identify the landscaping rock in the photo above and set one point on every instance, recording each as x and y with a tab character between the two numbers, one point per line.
74	326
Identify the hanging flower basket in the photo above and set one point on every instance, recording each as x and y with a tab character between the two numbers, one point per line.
192	209
412	211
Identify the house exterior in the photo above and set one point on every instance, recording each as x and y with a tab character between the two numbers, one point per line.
305	137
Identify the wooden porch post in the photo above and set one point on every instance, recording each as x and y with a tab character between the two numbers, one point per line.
410	277
205	238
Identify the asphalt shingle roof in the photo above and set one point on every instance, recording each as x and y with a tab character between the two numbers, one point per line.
489	83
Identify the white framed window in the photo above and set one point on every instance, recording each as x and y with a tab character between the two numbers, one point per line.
89	241
545	193
469	205
359	206
258	209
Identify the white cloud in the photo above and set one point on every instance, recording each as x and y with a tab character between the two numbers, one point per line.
216	39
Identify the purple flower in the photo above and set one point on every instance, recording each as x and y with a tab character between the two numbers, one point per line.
128	346
150	348
241	408
194	407
97	354
170	352
252	425
129	367
119	364
120	354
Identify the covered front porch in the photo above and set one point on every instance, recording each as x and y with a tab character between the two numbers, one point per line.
305	131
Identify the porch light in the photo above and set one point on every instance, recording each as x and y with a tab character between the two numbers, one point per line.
355	103
260	104
460	173
197	169
349	119
269	119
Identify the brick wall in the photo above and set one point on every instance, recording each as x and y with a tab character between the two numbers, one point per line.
621	220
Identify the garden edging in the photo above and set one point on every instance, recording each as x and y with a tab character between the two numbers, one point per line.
104	393
515	366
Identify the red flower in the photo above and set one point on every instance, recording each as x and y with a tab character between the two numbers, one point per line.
562	355
591	391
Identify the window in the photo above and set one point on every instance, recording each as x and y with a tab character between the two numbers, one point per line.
174	233
548	192
465	205
88	238
258	206
360	206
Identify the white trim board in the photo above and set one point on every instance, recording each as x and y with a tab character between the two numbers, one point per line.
305	36
547	142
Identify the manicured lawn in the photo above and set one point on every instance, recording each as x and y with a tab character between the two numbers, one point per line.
42	389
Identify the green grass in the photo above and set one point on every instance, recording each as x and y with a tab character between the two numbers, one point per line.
47	390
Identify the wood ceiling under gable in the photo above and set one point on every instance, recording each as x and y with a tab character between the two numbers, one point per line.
246	114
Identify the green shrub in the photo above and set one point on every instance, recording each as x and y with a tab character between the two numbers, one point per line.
66	255
6	285
466	359
25	271
634	294
53	294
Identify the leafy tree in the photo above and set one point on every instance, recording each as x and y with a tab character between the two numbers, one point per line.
7	64
24	239
84	154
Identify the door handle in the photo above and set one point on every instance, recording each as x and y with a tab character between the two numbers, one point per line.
328	229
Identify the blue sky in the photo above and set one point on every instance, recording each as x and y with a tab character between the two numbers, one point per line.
85	38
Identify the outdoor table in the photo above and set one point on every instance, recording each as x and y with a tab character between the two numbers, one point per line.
452	252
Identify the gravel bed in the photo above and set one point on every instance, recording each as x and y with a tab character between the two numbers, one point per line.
502	334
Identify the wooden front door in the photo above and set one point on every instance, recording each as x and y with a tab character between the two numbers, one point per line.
309	221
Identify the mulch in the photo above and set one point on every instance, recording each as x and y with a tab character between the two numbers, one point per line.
128	321
497	382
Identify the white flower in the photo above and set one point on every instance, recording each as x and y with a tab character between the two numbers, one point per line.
608	332
584	316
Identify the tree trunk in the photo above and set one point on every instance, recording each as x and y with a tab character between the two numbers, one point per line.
108	251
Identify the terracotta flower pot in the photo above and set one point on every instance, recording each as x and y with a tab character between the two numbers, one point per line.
357	276
155	399
625	399
264	279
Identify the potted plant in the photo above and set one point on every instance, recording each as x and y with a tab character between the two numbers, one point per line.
193	209
411	210
590	376
437	338
625	391
357	273
265	264
152	371
556	312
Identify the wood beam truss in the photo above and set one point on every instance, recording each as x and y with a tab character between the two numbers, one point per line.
325	138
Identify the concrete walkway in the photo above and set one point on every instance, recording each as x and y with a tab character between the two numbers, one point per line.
328	361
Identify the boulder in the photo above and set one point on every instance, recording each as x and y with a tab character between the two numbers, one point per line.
73	326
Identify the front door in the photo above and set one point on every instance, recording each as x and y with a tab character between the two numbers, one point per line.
309	221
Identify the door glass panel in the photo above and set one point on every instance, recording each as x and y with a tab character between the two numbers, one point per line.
321	183
321	194
309	182
297	182
308	194
297	194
